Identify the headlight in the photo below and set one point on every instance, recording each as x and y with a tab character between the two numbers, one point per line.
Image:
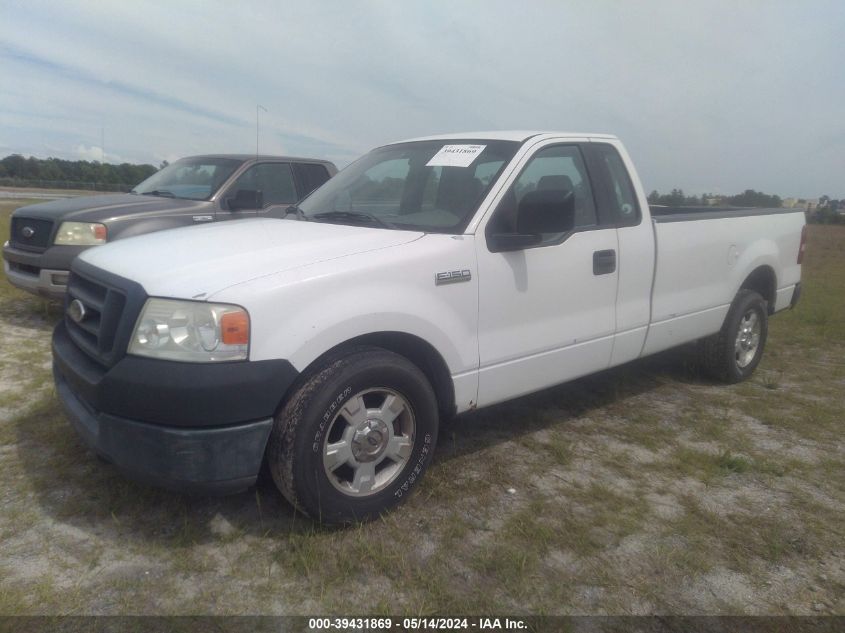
81	234
191	331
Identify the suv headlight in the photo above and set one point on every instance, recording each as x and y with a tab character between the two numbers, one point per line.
81	234
191	331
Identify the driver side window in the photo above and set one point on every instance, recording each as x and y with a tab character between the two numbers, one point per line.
273	180
555	175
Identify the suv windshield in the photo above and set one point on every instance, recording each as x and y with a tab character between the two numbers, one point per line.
432	186
191	178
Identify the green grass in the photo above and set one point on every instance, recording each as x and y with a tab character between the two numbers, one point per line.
733	463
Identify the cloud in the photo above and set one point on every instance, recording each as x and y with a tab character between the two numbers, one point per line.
95	153
732	95
89	153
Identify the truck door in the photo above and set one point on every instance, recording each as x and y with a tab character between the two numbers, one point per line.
547	312
264	190
617	197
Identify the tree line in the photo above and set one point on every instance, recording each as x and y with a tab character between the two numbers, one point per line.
748	198
828	211
17	168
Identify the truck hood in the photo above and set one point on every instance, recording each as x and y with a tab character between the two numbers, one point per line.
198	261
103	208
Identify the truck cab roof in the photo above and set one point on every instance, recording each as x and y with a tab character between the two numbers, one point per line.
262	157
508	135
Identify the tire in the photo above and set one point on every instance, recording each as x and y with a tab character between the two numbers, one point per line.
355	437
733	353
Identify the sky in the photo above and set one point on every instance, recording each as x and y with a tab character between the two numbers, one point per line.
709	96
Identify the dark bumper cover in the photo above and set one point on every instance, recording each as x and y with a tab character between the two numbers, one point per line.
187	426
213	461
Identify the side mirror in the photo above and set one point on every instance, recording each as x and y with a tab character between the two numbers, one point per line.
246	199
546	211
502	242
539	212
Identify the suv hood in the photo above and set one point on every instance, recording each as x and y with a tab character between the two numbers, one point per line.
102	208
198	261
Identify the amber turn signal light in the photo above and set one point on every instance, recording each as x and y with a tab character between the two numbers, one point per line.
234	328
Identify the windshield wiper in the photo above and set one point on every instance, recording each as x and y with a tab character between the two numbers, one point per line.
300	214
355	216
164	193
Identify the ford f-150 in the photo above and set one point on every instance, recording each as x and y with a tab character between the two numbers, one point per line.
428	278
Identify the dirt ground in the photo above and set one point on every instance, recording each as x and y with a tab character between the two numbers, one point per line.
643	490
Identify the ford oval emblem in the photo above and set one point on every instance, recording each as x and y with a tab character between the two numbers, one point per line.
27	231
76	310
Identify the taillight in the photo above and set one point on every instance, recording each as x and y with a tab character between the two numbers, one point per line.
803	245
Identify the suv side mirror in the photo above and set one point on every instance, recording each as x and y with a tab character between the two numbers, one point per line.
246	199
544	211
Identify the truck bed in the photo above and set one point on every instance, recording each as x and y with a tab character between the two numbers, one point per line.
664	213
705	254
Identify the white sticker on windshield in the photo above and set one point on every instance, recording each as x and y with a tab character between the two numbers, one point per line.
455	156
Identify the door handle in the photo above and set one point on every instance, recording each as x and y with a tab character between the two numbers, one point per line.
604	262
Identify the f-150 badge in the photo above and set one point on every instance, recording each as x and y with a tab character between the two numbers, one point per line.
452	277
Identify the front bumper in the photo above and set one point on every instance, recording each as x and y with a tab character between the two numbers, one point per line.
44	274
51	284
185	426
210	461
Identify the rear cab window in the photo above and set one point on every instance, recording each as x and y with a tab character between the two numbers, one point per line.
616	195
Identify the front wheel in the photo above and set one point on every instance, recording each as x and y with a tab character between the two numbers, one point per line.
734	352
355	437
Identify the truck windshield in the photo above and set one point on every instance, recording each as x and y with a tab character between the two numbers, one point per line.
189	178
432	186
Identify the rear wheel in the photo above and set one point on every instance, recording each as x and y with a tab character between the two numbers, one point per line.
355	437
734	352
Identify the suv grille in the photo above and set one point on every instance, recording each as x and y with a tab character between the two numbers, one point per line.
32	234
92	317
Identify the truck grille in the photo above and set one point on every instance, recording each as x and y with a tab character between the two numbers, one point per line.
30	233
92	316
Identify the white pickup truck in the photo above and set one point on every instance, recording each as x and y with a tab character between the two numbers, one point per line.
428	278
